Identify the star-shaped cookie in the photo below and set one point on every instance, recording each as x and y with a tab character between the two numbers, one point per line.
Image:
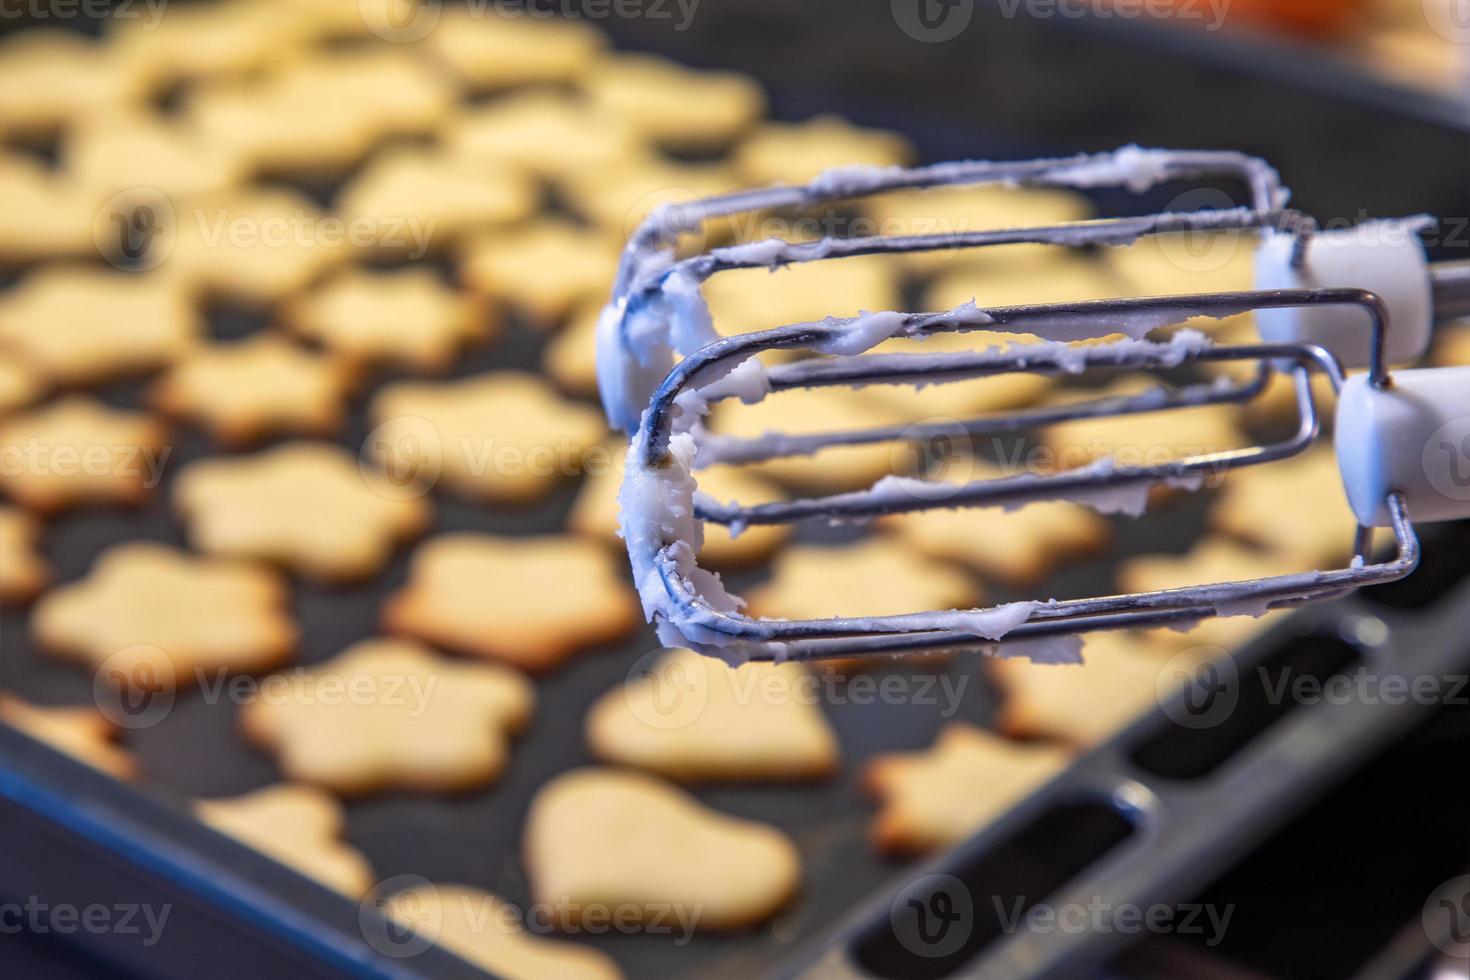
251	389
1296	507
940	796
406	317
692	717
502	437
79	451
529	601
390	714
545	268
299	826
80	325
304	505
150	616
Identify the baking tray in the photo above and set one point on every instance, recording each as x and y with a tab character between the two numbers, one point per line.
146	842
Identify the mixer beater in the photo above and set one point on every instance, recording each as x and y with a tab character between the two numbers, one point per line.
1326	301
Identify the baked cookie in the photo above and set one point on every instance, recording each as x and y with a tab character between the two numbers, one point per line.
545	269
487	931
255	245
148	614
747	300
794	153
298	826
530	601
874	577
1296	508
618	199
390	714
1018	275
596	512
199	41
79	325
78	451
46	216
544	133
941	796
491	48
695	718
1215	559
20	382
676	107
1083	704
1017	547
50	76
108	154
962	210
307	506
23	572
409	200
406	317
250	389
650	847
81	732
1180	263
570	357
1149	438
804	411
503	437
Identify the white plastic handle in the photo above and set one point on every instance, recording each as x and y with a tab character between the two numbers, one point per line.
1384	257
1412	437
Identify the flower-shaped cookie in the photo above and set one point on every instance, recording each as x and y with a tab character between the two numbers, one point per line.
505	436
546	268
405	317
81	732
530	601
299	826
604	837
150	615
389	714
486	930
255	388
79	451
23	572
692	717
78	325
938	797
306	505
